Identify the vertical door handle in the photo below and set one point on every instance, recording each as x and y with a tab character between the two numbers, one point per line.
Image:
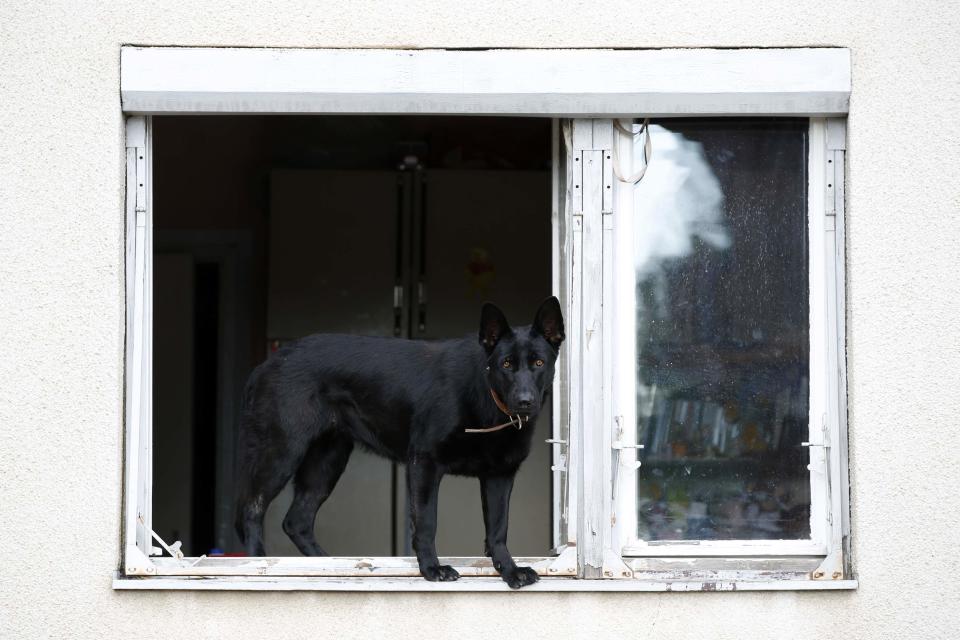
397	310
422	284
398	262
422	305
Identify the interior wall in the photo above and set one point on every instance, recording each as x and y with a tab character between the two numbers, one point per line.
173	368
209	176
62	317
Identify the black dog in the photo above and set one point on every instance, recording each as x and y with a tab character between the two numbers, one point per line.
419	403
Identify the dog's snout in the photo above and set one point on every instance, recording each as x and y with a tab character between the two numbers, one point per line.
525	401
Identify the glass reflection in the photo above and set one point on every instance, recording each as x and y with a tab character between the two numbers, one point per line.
722	331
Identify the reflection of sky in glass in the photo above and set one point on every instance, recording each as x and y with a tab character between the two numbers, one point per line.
720	256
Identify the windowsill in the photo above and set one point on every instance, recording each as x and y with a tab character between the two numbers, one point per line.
282	583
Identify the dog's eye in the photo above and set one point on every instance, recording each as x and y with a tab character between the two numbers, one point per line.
538	363
506	364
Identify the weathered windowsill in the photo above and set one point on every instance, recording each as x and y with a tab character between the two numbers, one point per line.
265	583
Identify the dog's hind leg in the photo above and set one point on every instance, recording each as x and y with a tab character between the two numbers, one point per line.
314	482
281	419
262	486
269	460
250	513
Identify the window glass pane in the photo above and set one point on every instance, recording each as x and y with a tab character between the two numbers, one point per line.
722	331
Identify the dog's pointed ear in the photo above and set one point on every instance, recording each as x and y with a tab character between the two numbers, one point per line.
493	326
549	322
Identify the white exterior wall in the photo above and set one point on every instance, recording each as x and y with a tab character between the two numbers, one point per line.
61	318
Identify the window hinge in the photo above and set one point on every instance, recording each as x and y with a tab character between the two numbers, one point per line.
141	164
606	206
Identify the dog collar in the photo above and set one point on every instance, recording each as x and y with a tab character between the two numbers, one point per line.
515	421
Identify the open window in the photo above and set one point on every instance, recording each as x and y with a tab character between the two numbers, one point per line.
697	432
371	225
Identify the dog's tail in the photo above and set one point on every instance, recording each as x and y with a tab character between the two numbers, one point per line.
243	462
246	396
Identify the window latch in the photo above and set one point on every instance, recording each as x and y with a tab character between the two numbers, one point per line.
619	446
563	459
825	439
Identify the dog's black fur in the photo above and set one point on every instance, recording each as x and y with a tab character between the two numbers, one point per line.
409	401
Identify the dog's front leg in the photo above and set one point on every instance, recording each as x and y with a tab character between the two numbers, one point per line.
423	489
495	497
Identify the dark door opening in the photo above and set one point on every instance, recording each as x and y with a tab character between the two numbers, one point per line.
398	226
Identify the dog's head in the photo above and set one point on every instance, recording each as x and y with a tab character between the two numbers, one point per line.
520	362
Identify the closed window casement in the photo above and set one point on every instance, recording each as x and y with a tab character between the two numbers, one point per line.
690	205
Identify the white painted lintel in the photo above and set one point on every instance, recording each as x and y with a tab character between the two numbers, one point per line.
531	82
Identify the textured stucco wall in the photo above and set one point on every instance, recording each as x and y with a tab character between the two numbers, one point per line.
61	316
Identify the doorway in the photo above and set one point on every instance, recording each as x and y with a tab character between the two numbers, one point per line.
393	226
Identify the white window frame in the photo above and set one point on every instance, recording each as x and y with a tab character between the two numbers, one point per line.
569	84
825	550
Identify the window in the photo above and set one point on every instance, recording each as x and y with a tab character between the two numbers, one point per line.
722	323
734	267
698	424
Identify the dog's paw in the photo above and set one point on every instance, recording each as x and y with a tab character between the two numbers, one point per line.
440	572
520	577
